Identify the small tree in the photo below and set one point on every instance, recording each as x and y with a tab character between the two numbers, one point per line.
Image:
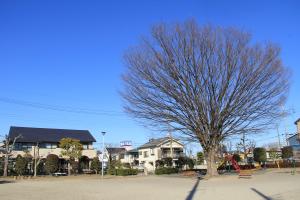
96	165
51	164
200	158
168	161
71	149
21	165
236	157
287	152
260	155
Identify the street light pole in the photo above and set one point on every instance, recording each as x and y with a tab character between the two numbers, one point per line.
102	170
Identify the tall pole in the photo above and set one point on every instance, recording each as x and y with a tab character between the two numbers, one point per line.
279	143
102	167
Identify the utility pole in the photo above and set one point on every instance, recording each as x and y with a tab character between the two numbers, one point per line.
278	135
102	166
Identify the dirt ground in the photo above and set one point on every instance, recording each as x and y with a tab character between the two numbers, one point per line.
268	184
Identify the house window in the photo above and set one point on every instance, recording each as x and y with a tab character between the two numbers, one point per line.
23	146
146	154
48	145
151	152
85	146
140	153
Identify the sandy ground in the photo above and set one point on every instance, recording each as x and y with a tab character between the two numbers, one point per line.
270	185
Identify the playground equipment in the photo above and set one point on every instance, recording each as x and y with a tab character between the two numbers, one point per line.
229	158
242	173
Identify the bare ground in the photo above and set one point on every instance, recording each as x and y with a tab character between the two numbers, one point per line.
268	185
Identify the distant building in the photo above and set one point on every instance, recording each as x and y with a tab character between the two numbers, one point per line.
294	141
125	154
47	141
158	149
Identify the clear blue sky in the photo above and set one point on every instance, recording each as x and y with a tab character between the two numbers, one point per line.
69	54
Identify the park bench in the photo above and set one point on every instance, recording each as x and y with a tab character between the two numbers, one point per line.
245	174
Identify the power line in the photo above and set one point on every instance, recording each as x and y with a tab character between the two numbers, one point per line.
61	108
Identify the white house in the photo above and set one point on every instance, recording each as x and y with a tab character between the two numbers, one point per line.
124	153
157	149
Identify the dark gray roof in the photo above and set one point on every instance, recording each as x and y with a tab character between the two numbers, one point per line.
133	151
115	150
297	121
155	142
30	134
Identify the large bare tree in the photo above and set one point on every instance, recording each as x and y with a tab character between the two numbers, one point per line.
208	83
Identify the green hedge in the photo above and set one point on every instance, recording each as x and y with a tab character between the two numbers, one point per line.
123	172
166	170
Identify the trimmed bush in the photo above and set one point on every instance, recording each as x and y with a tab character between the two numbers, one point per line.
260	155
159	163
21	165
51	164
125	172
168	161
96	165
166	170
200	158
190	163
182	161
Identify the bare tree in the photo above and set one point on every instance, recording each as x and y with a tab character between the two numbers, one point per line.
36	158
9	144
246	145
207	82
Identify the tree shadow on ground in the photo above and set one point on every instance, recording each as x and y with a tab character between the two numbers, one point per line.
5	181
261	194
193	191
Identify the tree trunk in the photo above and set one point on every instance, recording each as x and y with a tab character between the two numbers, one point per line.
5	165
69	168
210	156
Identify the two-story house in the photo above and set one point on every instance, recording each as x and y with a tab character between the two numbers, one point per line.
46	140
294	141
158	149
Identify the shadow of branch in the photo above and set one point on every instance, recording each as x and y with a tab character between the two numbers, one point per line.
193	191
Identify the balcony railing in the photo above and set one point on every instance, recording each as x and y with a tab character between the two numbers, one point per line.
175	155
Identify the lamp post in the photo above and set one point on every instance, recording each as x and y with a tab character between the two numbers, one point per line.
102	170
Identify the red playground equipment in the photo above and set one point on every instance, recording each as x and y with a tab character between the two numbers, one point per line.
233	162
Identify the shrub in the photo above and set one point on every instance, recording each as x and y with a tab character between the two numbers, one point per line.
190	163
41	167
236	157
159	163
200	158
259	154
126	165
168	161
287	152
181	161
124	172
166	170
111	171
21	165
96	165
51	164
